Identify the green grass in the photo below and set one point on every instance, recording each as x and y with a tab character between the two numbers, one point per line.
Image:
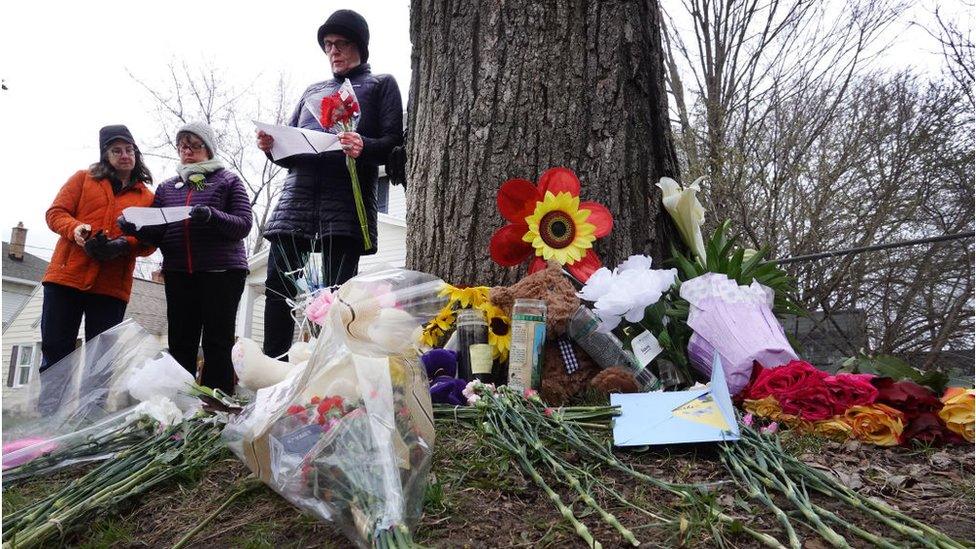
108	532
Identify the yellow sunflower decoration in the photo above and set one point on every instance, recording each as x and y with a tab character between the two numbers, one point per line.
474	297
558	228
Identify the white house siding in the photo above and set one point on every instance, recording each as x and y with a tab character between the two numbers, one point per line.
25	329
14	296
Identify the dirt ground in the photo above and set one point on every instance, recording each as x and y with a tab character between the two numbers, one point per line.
479	498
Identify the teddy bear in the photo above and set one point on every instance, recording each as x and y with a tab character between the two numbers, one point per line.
559	385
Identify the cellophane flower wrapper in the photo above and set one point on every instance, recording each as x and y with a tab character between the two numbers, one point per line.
738	323
348	436
93	402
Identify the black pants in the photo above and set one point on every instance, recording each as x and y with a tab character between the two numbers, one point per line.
204	303
61	316
289	254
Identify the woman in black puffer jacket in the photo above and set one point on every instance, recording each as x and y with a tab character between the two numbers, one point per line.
316	210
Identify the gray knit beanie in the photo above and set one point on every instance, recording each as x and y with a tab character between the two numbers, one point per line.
204	132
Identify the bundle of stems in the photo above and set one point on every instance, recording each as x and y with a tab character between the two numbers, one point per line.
586	416
84	449
760	466
535	437
179	451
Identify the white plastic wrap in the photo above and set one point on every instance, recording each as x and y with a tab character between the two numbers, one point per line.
349	436
88	404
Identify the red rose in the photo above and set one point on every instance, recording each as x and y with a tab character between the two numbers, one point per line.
848	390
295	410
809	399
907	397
928	428
782	380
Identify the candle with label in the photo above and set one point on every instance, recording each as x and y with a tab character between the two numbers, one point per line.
528	340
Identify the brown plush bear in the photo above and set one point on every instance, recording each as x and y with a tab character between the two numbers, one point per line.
558	386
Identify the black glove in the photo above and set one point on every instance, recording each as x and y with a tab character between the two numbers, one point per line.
100	248
127	228
200	213
396	166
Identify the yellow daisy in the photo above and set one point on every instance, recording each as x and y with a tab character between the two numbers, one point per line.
472	296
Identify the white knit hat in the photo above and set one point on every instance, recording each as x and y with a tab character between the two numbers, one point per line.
204	132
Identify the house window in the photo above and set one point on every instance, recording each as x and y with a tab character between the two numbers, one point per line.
22	358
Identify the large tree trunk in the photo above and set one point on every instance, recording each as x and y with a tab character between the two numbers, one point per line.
505	89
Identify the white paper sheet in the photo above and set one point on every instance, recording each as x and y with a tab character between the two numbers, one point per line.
141	217
289	141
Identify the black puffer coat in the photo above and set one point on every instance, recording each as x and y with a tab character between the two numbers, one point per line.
316	200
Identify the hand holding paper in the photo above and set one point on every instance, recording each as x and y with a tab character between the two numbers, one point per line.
142	217
289	141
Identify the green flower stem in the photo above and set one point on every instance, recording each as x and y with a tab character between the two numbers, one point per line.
756	491
357	193
899	522
574	483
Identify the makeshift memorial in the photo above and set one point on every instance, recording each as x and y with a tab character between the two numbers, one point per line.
548	222
875	410
348	436
538	438
736	323
339	112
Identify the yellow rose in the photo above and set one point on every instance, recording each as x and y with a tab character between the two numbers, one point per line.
766	407
835	428
877	424
957	411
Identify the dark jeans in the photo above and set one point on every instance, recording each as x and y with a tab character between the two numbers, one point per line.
61	318
61	315
288	254
204	303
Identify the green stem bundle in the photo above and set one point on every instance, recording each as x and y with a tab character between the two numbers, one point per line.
177	451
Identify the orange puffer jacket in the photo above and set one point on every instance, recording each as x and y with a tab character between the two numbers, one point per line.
86	200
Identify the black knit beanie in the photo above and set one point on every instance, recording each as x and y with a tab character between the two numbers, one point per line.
351	25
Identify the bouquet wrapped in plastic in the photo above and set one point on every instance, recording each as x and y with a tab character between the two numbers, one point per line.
737	322
117	389
348	435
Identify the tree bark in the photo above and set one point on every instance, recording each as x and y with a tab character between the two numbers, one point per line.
506	89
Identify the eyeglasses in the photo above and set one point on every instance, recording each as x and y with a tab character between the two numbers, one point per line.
338	45
190	146
128	151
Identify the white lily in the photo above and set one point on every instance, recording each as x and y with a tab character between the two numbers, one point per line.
686	211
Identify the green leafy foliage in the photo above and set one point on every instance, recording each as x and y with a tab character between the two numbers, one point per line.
896	369
724	255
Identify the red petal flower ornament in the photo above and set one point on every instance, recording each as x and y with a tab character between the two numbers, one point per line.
548	221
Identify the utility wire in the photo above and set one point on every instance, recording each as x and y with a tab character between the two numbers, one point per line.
873	248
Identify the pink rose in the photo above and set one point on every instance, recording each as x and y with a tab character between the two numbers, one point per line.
848	390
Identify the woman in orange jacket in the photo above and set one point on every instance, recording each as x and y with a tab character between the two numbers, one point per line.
90	273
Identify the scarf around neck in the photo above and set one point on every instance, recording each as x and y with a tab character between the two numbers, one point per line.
205	168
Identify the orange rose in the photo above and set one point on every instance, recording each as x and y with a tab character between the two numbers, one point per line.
957	411
835	428
877	424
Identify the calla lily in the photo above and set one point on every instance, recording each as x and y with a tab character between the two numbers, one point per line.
686	211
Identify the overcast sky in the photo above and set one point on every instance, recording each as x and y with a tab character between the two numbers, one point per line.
65	64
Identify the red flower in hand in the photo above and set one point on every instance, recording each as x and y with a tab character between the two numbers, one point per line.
338	112
549	221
